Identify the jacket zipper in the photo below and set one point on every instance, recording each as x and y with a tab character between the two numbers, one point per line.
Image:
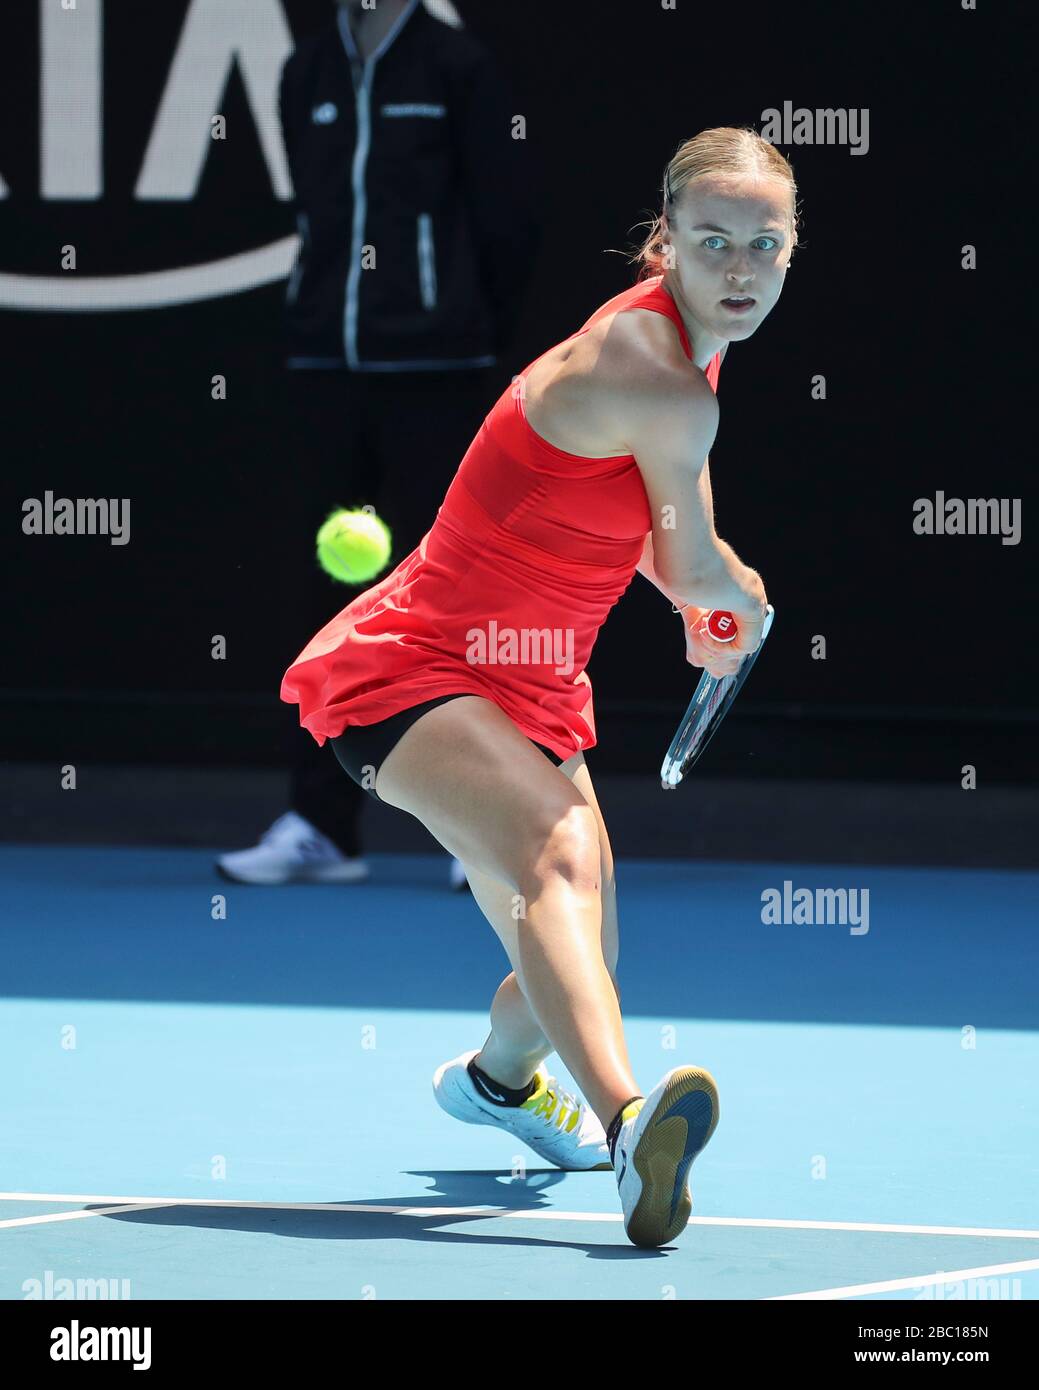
427	268
295	279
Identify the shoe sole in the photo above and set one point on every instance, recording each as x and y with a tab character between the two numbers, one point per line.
684	1119
259	881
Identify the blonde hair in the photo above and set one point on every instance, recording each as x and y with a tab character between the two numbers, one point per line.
722	150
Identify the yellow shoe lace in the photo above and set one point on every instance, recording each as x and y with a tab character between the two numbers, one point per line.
559	1108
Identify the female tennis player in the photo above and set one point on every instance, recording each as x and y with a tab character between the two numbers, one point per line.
455	688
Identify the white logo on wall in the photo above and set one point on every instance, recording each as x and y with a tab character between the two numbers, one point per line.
217	37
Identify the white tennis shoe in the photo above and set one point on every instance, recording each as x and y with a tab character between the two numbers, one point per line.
291	851
658	1139
555	1124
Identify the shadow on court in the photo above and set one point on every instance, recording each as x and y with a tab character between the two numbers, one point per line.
451	1189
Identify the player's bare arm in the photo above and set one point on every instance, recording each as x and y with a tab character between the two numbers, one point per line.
671	423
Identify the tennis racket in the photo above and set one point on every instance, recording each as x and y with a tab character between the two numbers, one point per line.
710	703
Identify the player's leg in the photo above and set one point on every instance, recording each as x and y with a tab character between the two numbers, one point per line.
516	1046
491	798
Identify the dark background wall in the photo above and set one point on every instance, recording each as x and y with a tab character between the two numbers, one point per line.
931	639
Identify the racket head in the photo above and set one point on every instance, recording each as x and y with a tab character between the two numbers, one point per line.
711	702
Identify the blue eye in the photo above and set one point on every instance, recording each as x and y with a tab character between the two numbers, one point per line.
772	243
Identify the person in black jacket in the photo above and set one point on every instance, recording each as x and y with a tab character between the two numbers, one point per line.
417	240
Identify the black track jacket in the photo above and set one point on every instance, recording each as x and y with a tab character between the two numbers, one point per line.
406	165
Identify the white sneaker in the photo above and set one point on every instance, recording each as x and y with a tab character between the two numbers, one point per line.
457	878
291	851
555	1124
659	1138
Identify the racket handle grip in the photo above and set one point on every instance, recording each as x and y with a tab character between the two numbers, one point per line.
721	625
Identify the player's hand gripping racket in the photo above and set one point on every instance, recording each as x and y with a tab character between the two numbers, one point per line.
710	703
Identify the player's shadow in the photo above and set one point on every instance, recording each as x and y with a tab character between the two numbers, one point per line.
496	1191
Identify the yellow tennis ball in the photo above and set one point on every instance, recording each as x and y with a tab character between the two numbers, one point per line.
353	546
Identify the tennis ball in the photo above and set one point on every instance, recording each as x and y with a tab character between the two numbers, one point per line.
353	546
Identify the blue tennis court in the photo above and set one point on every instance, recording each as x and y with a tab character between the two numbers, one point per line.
221	1092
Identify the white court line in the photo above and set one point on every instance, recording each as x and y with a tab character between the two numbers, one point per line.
74	1215
518	1213
920	1281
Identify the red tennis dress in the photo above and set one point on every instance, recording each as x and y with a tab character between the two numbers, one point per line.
505	594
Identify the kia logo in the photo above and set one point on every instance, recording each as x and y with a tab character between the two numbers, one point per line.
217	37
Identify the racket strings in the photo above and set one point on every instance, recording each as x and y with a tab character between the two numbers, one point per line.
716	696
